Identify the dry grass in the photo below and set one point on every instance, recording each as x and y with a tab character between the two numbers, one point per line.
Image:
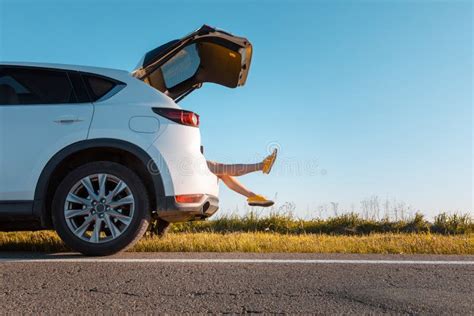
424	243
281	232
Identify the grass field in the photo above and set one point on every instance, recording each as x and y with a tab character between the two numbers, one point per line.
349	233
48	241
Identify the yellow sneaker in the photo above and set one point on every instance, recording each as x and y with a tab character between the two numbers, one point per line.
259	200
269	161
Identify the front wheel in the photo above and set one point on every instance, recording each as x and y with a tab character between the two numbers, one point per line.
101	208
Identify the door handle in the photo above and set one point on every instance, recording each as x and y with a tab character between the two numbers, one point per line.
68	120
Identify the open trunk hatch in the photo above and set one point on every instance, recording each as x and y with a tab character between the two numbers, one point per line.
206	55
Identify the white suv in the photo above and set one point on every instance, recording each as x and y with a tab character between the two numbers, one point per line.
98	154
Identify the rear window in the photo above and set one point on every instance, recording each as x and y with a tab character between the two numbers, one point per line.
35	86
181	67
98	86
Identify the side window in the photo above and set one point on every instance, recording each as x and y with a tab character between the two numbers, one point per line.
98	86
34	86
79	87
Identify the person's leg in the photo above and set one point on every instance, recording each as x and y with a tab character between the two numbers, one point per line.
252	198
234	170
233	184
227	172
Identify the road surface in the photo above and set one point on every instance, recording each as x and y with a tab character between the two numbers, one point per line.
237	283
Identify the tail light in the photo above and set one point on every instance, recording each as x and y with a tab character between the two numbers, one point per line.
188	198
179	116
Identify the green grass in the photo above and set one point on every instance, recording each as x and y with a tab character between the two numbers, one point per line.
48	241
348	224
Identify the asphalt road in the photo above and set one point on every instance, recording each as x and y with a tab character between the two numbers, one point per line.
224	283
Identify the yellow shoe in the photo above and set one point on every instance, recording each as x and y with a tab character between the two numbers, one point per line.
259	200
269	161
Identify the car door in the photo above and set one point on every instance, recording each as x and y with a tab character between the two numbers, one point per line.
41	112
206	55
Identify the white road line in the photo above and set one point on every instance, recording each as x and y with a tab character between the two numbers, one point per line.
260	261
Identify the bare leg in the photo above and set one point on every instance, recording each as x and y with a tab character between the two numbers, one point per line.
235	185
234	170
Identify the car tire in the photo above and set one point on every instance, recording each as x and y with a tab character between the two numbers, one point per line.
121	218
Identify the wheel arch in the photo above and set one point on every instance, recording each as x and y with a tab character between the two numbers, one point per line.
81	152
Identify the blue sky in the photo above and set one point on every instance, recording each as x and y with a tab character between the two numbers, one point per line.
362	98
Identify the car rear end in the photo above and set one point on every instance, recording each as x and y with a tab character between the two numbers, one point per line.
176	69
191	189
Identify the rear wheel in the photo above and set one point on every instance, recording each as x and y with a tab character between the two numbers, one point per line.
101	208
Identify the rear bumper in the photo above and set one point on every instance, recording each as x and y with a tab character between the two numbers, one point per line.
171	211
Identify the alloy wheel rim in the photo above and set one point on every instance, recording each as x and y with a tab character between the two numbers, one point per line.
99	208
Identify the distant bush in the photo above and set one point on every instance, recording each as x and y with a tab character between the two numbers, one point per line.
347	224
452	224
